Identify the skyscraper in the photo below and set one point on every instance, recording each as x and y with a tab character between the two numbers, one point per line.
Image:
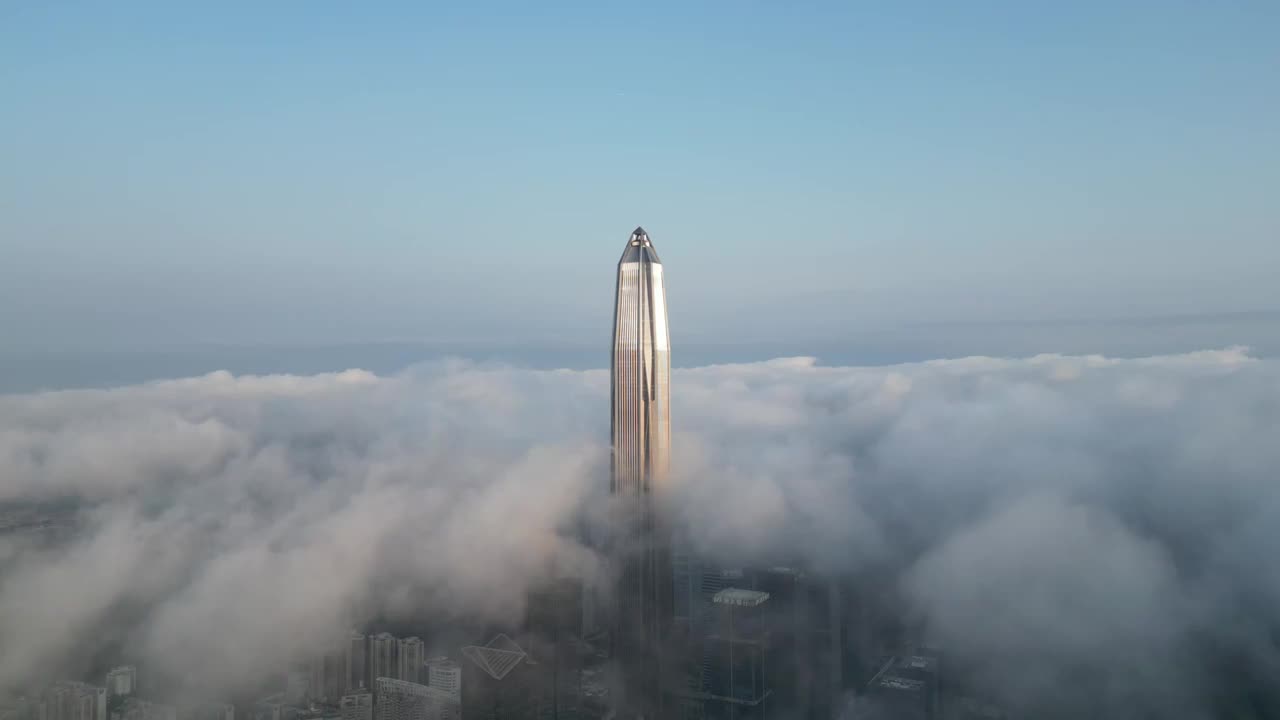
66	700
403	700
357	648
383	658
445	675
122	680
412	656
641	436
502	682
552	636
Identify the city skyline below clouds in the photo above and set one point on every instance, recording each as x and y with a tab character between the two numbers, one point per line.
297	175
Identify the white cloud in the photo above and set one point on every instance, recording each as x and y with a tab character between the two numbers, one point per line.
1044	515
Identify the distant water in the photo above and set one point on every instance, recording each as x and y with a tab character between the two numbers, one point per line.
34	369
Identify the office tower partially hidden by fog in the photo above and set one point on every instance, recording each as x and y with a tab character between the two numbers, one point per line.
382	659
760	642
326	682
641	437
445	675
552	635
356	706
354	655
905	688
501	682
122	681
403	700
66	700
410	661
732	664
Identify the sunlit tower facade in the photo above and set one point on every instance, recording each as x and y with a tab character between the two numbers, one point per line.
641	437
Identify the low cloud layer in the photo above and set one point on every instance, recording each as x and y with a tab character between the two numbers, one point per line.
1089	536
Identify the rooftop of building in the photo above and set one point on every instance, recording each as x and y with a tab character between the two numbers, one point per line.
894	682
910	673
405	687
498	658
76	685
740	597
918	662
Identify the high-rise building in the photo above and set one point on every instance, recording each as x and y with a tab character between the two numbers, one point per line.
19	709
383	658
356	706
327	676
271	708
135	709
552	635
122	681
798	635
905	688
734	655
354	660
641	437
501	682
410	658
805	618
315	681
337	668
445	675
67	700
401	700
297	685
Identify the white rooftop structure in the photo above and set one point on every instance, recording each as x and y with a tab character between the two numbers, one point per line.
498	658
122	680
740	597
894	682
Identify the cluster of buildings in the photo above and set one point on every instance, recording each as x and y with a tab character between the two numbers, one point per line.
357	665
534	668
116	700
377	676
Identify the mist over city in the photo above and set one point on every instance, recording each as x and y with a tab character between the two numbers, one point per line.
1084	535
650	361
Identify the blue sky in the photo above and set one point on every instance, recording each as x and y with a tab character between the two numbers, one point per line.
316	172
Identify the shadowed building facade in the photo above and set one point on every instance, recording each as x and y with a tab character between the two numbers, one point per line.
641	436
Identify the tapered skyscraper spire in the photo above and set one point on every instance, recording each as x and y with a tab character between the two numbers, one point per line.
641	368
641	424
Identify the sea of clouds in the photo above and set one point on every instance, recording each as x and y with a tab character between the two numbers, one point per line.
1090	536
